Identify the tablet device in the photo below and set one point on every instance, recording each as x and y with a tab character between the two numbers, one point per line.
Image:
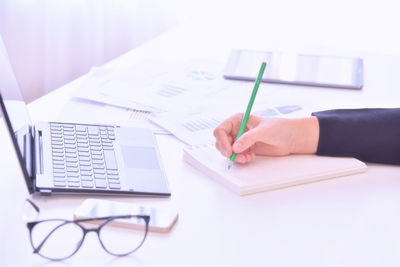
298	69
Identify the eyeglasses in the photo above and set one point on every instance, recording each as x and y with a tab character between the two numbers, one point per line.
59	239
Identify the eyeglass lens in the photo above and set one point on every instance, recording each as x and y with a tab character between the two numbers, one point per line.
56	239
119	240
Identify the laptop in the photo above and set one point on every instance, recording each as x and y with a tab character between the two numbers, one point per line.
74	158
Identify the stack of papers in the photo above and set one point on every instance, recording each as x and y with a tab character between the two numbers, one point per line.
187	99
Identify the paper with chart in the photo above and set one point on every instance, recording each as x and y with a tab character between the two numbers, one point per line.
154	86
195	126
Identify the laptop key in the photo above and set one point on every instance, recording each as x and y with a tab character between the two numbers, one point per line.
55	131
99	176
73	180
112	177
69	142
71	155
115	186
70	145
54	146
58	170
86	178
100	183
83	154
99	157
98	161
84	163
86	173
94	142
56	138
59	179
93	130
72	170
87	184
83	148
70	138
72	175
72	165
85	168
80	128
98	166
97	153
102	171
75	160
58	154
74	184
68	132
59	184
55	143
55	166
112	172
58	158
55	124
111	181
59	174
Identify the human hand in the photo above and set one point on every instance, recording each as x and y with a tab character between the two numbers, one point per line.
267	136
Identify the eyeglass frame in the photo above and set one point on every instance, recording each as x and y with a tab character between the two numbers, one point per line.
31	224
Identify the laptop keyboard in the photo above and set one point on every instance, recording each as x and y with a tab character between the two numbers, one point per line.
83	156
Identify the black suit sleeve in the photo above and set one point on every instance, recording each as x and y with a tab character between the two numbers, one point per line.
371	135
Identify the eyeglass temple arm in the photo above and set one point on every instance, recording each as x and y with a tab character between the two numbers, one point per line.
33	205
112	217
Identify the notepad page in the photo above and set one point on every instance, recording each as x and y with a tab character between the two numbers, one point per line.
268	173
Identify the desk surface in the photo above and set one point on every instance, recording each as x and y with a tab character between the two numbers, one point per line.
351	221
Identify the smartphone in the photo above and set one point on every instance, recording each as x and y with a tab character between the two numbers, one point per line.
161	219
288	68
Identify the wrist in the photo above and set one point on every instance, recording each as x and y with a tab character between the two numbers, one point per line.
306	135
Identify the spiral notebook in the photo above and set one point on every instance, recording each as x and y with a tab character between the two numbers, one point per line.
269	173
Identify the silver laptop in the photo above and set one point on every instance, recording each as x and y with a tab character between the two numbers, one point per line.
79	158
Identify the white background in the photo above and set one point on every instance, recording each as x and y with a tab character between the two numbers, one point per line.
54	41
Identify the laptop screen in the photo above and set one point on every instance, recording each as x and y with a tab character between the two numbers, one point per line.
15	114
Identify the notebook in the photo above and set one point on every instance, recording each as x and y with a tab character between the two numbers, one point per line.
72	158
269	173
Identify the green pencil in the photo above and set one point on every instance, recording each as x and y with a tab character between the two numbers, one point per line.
249	106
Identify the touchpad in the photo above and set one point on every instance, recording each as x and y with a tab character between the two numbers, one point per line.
140	157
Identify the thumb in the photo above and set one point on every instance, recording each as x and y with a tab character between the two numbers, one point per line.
245	141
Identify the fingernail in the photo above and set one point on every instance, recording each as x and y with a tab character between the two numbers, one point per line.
237	146
226	153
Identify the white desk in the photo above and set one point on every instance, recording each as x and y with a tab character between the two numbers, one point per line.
351	221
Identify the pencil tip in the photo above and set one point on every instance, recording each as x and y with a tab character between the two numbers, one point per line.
229	166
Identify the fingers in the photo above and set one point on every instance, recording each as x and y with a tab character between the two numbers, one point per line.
225	149
224	135
245	157
247	140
